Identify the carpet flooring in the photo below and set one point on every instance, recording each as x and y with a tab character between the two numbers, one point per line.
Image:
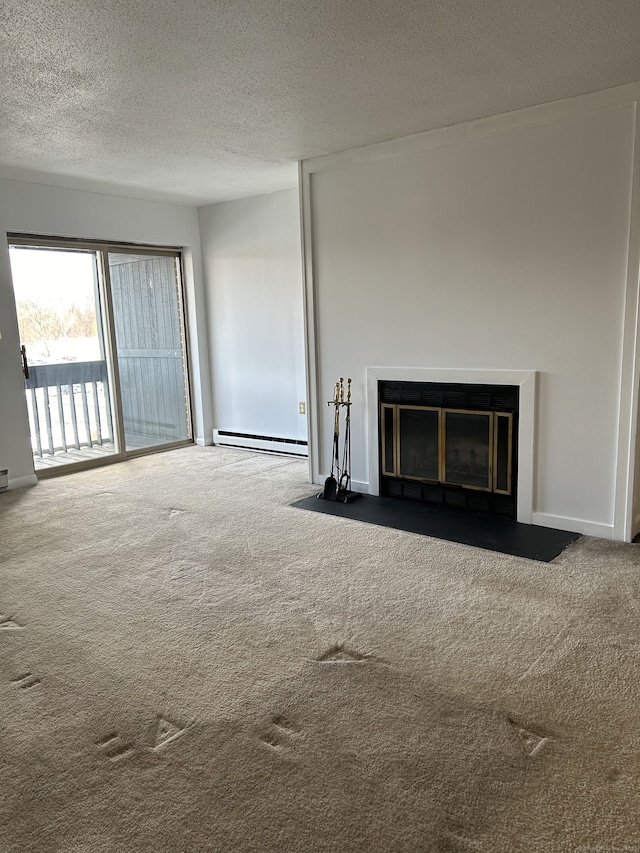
188	663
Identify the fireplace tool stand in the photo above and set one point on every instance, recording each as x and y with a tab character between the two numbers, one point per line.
338	489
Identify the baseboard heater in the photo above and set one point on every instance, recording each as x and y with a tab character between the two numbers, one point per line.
262	443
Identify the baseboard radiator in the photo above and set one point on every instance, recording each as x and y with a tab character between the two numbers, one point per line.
261	443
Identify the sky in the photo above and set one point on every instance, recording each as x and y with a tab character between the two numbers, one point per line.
62	278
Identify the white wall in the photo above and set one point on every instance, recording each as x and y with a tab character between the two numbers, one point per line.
506	249
53	211
253	279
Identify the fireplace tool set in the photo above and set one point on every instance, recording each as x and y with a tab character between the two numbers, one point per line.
336	486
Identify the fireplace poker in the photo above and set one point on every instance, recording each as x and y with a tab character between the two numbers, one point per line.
331	484
345	476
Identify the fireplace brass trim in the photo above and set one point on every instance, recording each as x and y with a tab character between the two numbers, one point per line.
443	473
509	416
394	410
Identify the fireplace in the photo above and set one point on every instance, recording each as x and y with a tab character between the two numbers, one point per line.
450	443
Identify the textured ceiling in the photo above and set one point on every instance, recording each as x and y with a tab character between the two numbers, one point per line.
203	100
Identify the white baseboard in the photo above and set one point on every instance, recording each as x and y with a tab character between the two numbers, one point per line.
23	482
542	519
573	525
263	444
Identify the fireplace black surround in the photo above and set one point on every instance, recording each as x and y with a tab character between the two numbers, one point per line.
452	444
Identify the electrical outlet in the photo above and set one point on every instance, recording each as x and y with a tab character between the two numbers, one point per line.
303	408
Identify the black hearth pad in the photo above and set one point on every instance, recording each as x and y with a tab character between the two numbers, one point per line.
467	528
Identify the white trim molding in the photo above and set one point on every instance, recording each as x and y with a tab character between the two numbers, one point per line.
526	380
23	482
310	337
574	525
465	131
627	496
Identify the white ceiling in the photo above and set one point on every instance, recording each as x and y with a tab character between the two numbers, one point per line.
197	101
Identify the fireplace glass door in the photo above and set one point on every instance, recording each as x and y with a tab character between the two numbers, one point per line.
455	447
419	443
468	446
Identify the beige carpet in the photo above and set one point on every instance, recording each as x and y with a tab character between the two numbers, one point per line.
187	663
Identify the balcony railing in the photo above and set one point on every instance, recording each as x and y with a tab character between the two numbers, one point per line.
69	406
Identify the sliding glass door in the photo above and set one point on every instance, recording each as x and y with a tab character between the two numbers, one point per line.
67	383
104	350
150	348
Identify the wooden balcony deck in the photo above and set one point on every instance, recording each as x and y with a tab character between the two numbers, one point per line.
69	413
68	457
